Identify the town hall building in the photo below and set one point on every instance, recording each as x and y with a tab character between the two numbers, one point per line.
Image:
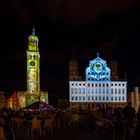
101	87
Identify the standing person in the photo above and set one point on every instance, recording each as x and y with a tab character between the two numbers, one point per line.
138	114
137	132
7	127
129	112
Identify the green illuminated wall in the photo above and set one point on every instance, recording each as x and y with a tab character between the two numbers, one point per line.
33	65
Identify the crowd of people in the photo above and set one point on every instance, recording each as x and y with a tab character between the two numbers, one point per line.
119	121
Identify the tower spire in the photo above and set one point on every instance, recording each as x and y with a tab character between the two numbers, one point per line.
97	54
33	30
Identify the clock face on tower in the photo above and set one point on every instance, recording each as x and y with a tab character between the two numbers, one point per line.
32	63
97	67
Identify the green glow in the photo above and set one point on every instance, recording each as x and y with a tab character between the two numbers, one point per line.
33	68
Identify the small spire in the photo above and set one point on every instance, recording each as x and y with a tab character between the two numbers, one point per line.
33	30
97	54
125	76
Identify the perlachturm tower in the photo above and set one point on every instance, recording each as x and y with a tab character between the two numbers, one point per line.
21	99
33	69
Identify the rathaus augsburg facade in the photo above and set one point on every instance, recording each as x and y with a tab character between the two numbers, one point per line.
97	89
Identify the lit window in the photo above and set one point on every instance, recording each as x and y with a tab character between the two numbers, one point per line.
111	91
119	91
79	91
72	98
115	91
119	98
83	98
103	91
107	98
75	91
72	90
83	91
88	91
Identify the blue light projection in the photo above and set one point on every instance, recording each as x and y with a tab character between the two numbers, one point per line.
98	70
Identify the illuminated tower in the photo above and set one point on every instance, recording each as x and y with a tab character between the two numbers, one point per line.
33	69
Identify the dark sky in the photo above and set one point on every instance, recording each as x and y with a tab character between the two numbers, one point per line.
68	29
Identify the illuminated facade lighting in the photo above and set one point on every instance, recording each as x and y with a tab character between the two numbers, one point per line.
98	87
33	68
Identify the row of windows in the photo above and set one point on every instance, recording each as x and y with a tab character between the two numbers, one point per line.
100	73
97	91
78	91
92	105
33	57
97	98
97	85
100	79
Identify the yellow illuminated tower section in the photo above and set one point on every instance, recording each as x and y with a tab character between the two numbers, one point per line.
33	69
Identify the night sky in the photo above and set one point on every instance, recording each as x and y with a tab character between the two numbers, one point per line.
68	29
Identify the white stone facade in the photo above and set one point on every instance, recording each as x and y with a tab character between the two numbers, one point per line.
97	87
83	91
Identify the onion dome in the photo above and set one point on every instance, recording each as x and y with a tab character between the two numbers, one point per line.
33	39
